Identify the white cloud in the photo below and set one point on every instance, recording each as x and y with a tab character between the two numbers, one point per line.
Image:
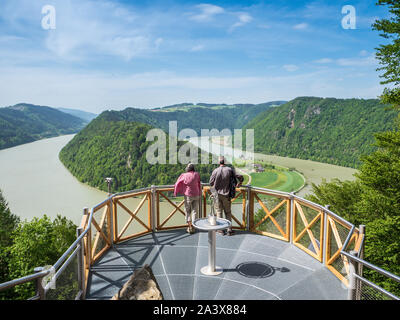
324	61
208	11
198	47
290	67
84	28
300	26
357	62
158	42
244	18
364	61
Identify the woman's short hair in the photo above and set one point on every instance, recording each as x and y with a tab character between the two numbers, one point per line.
190	167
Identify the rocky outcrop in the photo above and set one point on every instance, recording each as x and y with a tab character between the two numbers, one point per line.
142	285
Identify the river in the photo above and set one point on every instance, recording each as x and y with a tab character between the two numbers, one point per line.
35	182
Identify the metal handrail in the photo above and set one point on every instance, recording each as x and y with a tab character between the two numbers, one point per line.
22	280
371	266
346	242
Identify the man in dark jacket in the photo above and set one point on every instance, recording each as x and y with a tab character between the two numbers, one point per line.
223	181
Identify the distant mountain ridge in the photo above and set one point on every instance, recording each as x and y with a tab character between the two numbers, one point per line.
336	131
211	105
84	115
196	117
23	123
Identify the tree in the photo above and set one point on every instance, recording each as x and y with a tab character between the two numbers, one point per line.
342	196
8	223
36	243
388	54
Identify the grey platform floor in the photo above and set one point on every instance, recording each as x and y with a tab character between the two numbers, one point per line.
255	268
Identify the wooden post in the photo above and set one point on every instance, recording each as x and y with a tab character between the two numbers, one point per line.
153	208
149	209
291	218
251	211
158	208
115	220
204	203
110	218
361	229
324	246
248	187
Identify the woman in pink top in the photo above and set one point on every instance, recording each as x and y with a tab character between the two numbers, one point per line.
189	185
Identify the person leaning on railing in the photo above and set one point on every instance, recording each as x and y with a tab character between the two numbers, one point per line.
189	185
223	182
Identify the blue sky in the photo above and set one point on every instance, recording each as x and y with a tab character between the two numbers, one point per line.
113	54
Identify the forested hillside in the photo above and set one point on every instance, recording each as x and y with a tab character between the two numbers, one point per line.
25	123
117	149
336	131
191	116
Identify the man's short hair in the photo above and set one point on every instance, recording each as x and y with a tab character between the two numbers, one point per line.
221	160
190	167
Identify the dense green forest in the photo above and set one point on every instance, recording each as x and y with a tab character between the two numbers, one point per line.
25	123
336	131
25	245
117	149
196	117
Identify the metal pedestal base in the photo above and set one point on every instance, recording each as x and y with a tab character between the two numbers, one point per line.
211	269
208	271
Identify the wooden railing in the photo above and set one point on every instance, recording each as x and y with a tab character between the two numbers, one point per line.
310	227
272	219
134	225
284	216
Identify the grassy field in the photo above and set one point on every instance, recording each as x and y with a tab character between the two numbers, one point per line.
287	181
314	172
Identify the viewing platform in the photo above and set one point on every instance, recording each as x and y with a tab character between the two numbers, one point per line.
284	248
254	267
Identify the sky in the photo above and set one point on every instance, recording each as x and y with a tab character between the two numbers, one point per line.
112	54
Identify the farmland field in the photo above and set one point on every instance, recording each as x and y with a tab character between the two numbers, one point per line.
312	171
